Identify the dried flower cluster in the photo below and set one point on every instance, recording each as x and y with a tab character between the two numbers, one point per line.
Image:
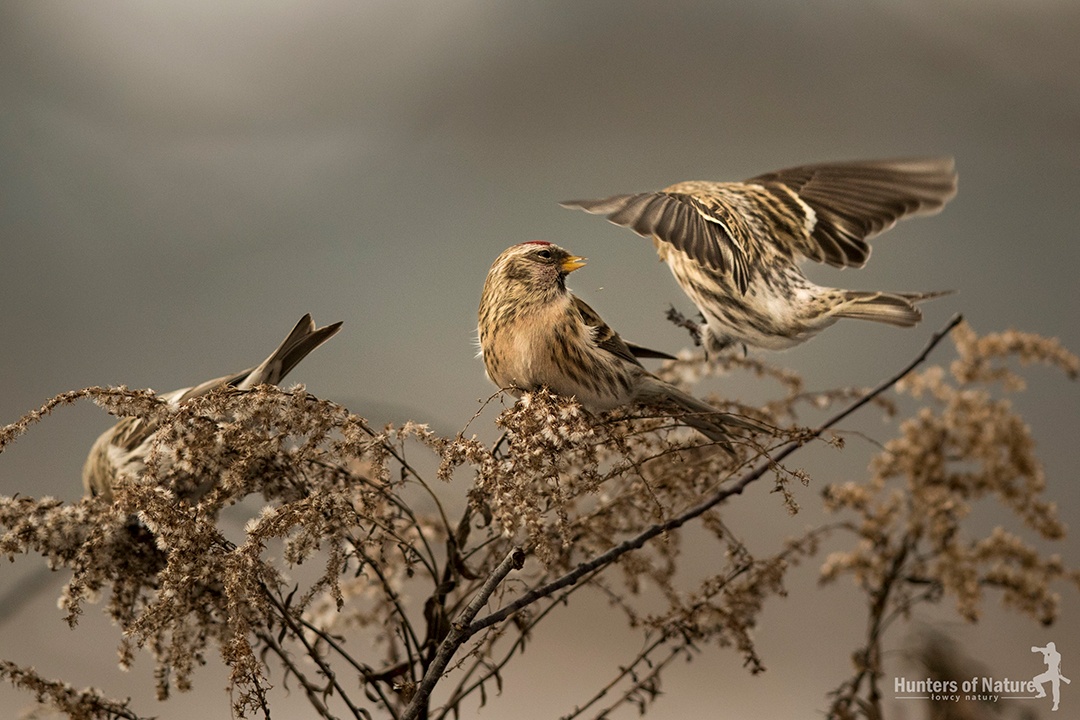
912	542
355	546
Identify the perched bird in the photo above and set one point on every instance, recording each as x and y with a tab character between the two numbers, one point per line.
735	248
535	333
122	450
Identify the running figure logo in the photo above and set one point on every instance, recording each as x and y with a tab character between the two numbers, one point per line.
1052	658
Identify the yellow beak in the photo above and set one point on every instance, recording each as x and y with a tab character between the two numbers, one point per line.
572	263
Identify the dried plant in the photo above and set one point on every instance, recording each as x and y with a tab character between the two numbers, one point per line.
369	566
913	544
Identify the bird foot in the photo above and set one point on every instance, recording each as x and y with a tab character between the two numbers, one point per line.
682	321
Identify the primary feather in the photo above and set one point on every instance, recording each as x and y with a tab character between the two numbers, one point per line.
735	247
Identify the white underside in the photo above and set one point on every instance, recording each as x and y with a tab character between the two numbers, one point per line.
788	315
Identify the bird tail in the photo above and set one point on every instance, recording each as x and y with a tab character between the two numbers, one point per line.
892	308
303	339
709	421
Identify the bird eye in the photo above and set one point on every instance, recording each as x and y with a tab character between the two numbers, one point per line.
544	254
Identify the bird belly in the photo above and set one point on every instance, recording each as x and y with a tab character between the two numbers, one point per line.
779	309
544	353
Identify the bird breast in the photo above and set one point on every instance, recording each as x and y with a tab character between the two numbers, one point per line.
548	345
528	345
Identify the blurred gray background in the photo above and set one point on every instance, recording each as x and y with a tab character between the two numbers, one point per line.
180	182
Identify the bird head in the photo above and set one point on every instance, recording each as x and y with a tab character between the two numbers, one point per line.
532	272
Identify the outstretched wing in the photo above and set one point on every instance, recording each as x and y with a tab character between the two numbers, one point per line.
681	219
848	203
824	212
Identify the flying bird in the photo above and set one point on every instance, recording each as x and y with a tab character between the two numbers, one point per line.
122	450
535	333
735	247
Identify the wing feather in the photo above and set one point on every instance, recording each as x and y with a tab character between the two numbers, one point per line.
855	201
823	212
604	336
680	219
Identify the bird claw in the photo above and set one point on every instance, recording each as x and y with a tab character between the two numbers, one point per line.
682	321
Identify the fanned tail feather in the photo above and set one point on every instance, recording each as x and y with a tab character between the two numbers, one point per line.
303	339
891	308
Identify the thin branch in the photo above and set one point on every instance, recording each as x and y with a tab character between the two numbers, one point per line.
623	672
313	653
406	467
686	323
490	539
312	690
8	433
461	691
686	645
477	414
718	497
365	672
396	502
460	631
409	632
65	698
640	684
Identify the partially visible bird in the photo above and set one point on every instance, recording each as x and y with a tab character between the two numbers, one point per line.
735	248
535	333
122	450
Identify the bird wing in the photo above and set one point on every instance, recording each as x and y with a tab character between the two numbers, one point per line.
640	351
706	231
845	204
606	338
823	212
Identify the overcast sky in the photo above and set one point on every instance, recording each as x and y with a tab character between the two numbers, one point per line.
181	181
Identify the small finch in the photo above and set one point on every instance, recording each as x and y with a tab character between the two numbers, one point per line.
535	333
122	450
735	248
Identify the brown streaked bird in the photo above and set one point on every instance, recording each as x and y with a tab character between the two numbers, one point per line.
121	451
535	333
735	248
